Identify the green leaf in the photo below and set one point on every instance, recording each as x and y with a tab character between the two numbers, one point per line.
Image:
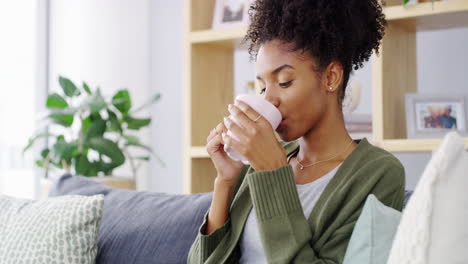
33	140
145	158
62	150
52	162
56	101
64	120
106	168
108	148
63	111
86	88
96	129
85	124
40	163
122	101
95	116
114	124
151	101
136	123
96	102
139	145
45	152
93	169
82	165
131	139
69	88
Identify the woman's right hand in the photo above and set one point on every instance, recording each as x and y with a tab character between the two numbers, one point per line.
228	169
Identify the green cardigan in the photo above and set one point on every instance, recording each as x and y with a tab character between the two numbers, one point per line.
287	235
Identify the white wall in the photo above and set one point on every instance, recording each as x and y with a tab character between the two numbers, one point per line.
21	23
105	43
166	77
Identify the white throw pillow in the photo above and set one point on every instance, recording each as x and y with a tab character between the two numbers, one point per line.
434	224
54	230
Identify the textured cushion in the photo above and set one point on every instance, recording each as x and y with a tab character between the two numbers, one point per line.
433	226
54	230
141	227
373	233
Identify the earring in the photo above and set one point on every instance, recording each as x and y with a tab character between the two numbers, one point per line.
330	89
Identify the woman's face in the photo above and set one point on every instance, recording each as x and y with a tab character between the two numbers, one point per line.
288	81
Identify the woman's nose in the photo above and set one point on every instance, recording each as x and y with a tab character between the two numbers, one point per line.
273	99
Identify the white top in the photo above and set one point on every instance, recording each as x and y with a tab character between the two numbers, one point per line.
250	243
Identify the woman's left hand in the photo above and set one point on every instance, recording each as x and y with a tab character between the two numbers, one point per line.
258	143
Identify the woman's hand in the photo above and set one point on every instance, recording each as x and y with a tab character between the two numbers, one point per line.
258	143
228	170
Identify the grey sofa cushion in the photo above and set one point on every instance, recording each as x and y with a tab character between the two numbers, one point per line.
141	227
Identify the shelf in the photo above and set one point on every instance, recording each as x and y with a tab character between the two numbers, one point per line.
422	16
230	37
198	152
413	145
428	16
425	9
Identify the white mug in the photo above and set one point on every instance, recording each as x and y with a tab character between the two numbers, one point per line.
261	106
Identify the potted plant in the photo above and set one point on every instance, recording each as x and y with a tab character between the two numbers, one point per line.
90	135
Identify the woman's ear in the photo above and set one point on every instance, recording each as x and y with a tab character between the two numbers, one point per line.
333	76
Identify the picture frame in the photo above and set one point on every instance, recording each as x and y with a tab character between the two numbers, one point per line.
433	116
231	13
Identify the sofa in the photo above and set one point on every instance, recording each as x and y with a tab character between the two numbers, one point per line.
142	227
84	221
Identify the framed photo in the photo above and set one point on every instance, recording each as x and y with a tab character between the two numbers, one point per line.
432	116
231	13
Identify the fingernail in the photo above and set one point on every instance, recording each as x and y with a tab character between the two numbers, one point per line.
230	106
223	134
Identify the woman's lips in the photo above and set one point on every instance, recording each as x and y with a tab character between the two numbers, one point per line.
282	124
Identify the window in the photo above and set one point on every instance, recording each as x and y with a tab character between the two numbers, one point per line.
22	91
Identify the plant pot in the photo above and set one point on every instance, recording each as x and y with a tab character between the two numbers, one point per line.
45	186
116	182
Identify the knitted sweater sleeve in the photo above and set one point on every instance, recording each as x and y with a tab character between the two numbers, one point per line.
204	245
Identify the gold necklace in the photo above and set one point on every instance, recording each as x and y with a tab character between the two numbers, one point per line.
317	162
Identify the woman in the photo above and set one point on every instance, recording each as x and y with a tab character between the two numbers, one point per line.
299	199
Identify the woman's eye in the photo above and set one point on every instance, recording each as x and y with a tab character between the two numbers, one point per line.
285	84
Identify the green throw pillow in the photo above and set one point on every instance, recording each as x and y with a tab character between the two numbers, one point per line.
54	230
373	233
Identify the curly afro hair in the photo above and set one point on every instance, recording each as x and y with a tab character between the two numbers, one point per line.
346	31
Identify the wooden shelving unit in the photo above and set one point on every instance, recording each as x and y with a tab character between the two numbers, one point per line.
229	37
394	71
209	84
